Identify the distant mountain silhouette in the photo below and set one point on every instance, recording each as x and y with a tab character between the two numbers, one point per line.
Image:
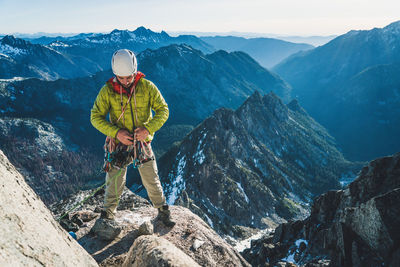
267	51
335	81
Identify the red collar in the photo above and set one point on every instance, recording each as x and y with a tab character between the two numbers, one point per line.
118	88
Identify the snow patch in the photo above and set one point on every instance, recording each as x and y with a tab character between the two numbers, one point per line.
178	184
346	178
59	44
290	257
239	185
245	243
199	155
15	79
209	221
298	124
8	50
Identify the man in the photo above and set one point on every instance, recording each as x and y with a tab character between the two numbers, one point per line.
128	98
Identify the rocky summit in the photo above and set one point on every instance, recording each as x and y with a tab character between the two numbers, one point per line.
254	167
356	226
143	239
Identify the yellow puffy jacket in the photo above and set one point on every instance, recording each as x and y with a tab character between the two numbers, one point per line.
148	98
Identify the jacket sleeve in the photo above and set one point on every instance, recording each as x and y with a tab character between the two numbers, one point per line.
101	108
160	108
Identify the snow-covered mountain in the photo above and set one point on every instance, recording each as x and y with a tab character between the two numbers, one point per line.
51	58
99	48
20	58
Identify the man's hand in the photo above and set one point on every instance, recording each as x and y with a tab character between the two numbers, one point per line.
125	137
141	133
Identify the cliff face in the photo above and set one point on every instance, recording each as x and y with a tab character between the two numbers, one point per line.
357	226
29	234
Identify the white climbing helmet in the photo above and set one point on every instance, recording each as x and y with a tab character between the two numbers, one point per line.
124	63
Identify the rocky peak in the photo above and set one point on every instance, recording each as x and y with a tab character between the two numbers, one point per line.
14	42
115	31
393	27
270	105
266	165
143	31
164	34
276	106
295	106
146	34
255	98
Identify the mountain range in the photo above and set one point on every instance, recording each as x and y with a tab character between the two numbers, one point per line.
20	58
81	55
267	51
195	84
99	48
345	86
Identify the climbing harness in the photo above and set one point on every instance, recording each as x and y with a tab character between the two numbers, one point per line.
123	155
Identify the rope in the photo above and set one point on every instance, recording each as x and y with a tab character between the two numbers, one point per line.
92	194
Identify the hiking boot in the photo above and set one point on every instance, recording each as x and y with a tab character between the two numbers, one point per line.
107	215
164	214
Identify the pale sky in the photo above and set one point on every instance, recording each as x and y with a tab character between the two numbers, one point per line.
287	17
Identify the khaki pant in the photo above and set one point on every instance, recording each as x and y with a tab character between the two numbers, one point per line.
116	179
